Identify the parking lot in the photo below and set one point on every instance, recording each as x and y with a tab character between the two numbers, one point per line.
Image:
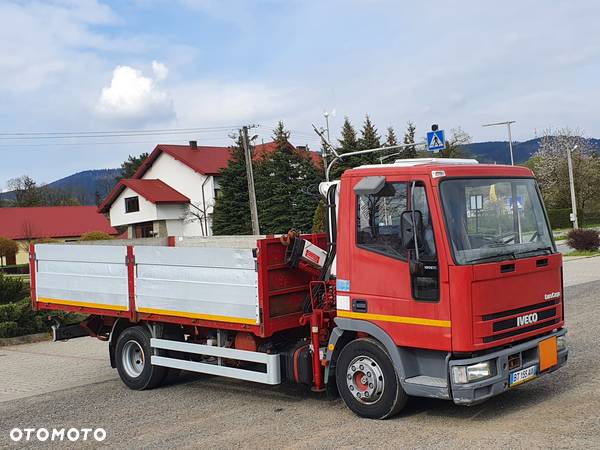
70	384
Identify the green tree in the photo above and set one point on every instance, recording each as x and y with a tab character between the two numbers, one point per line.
319	217
231	215
347	143
131	165
409	138
286	187
391	140
369	138
550	167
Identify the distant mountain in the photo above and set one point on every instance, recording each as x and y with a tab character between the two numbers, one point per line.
85	186
497	152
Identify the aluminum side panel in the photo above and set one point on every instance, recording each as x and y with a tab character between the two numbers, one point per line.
219	282
82	274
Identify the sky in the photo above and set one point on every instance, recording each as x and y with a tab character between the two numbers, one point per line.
215	65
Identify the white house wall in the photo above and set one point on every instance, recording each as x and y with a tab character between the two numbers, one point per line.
118	216
187	181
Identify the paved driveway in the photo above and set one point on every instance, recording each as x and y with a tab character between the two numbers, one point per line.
70	384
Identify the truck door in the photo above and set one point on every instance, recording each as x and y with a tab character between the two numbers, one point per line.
410	307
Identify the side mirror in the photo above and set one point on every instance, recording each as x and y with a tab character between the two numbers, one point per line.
411	226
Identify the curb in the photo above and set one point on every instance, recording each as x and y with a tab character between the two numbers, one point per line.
575	258
27	339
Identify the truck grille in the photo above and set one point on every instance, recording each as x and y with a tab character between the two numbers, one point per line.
518	321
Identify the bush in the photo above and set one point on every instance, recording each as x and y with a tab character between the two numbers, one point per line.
560	217
9	329
95	236
19	269
583	239
17	319
12	289
46	240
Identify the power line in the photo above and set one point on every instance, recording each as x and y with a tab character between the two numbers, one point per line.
52	133
87	136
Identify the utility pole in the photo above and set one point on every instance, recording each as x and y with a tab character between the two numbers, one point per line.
572	187
510	148
250	176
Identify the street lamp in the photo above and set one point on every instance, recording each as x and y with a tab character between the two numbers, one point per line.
572	188
507	123
326	114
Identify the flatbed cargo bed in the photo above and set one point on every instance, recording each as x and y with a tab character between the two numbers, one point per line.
230	282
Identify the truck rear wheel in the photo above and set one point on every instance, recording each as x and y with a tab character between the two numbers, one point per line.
367	381
132	357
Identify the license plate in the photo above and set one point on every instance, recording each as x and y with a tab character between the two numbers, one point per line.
521	376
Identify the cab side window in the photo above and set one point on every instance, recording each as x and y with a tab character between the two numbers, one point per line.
378	220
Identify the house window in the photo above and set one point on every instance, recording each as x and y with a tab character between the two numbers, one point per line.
132	204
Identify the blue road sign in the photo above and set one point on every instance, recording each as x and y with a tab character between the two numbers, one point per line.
436	141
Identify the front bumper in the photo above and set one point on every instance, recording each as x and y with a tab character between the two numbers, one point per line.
478	391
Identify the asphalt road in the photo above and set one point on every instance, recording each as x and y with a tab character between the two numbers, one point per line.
70	385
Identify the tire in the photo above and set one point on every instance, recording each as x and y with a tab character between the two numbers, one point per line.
132	355
367	381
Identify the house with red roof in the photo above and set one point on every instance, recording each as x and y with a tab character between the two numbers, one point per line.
63	223
173	193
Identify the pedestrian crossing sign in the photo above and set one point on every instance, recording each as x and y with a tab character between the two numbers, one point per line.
436	140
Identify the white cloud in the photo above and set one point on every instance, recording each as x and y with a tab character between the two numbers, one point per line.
160	70
135	98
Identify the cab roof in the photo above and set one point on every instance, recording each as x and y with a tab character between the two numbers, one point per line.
440	168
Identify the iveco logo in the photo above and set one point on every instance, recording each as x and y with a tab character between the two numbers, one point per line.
551	295
525	320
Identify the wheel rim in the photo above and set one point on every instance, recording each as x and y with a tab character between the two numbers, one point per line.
133	359
365	379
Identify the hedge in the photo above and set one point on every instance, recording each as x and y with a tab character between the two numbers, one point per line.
19	269
17	319
561	218
12	289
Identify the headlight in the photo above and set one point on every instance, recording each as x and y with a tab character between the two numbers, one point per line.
561	343
465	374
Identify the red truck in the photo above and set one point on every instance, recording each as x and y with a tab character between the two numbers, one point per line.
436	278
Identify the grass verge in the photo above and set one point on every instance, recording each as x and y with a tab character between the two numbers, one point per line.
583	253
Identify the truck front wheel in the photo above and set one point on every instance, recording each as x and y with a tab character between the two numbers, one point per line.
132	355
367	381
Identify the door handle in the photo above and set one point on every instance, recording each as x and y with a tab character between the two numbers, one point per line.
359	305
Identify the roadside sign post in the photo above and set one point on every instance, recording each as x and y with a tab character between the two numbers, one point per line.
436	140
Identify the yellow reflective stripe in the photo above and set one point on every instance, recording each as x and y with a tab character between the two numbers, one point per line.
189	315
395	319
56	301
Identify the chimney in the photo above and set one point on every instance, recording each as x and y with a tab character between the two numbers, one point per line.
194	145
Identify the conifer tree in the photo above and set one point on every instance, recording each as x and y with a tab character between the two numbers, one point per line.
231	215
287	183
369	138
409	138
390	141
347	143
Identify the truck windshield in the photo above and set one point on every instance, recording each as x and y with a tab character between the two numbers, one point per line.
495	219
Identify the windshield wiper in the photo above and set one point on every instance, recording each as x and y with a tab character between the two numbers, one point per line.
496	257
541	249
